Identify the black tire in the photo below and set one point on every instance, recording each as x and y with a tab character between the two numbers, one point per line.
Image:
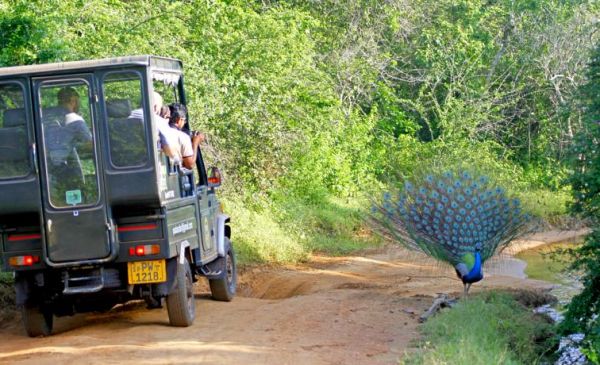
37	322
224	289
181	304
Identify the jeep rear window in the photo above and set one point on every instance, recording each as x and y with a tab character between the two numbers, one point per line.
67	131
14	151
123	102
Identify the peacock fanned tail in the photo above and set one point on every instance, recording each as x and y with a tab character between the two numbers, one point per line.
447	215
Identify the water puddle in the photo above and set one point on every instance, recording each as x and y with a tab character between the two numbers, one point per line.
549	263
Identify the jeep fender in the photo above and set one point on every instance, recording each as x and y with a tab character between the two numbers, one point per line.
222	220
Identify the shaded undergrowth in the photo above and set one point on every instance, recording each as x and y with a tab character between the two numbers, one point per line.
7	297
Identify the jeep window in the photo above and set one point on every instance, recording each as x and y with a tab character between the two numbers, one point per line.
68	143
14	152
166	86
123	100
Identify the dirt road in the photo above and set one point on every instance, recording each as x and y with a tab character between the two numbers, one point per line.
348	310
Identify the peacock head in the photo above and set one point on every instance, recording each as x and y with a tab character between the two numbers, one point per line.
478	247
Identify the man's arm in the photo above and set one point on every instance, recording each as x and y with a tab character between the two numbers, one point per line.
190	160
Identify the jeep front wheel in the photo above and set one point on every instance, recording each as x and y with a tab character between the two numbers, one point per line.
181	304
224	289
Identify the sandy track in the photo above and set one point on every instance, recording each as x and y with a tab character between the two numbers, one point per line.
348	310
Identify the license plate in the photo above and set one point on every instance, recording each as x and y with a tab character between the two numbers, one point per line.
145	272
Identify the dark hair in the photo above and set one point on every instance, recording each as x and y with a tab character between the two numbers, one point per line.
165	112
65	94
177	111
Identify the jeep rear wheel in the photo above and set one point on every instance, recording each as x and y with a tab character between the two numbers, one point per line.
224	289
37	321
181	304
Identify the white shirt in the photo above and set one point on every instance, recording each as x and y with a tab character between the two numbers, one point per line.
165	133
183	146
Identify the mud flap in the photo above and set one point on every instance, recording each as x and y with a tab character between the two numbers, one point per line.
23	289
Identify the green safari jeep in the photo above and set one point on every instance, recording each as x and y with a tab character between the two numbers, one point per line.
92	212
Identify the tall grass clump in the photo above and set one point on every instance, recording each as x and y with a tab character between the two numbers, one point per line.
332	225
289	229
259	237
488	329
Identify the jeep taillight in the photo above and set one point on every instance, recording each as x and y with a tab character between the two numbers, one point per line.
19	261
144	250
23	237
137	227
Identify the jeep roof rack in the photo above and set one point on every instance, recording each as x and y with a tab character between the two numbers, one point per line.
156	63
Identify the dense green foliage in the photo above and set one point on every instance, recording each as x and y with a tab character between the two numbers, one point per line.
488	329
583	310
312	106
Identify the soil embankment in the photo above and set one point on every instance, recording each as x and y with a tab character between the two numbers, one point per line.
345	310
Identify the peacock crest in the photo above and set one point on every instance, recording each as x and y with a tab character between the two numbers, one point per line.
456	217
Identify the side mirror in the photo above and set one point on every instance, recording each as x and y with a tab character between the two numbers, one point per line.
214	177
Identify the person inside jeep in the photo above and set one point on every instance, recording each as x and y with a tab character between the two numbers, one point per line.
186	146
67	133
166	136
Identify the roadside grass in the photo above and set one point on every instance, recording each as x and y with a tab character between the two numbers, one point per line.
489	328
332	226
258	236
289	230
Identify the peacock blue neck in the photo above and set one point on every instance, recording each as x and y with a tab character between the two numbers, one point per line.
476	273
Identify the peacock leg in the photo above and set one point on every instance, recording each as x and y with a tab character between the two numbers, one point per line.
466	292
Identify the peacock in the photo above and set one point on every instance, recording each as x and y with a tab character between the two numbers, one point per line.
457	217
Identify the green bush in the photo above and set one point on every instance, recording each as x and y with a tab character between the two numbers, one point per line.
582	314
